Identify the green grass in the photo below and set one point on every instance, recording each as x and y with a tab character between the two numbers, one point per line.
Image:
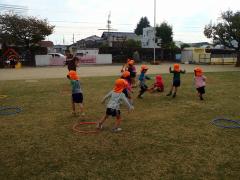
163	138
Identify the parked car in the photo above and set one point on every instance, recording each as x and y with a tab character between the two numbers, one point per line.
57	59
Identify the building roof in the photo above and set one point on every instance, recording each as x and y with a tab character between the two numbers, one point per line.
129	35
46	43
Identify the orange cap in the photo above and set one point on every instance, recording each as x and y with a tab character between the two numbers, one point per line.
176	67
125	74
73	75
120	85
144	67
131	62
198	71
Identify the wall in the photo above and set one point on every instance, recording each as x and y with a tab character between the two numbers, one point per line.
42	60
47	60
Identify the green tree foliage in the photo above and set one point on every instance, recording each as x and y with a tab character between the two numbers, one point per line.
226	32
143	23
132	44
184	45
24	31
165	33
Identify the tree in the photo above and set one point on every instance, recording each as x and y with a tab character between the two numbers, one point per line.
24	31
226	32
131	43
165	33
143	23
184	45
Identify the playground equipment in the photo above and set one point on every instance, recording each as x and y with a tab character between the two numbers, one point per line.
219	122
76	129
4	110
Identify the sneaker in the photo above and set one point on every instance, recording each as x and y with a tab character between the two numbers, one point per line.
99	126
116	130
169	94
174	95
140	97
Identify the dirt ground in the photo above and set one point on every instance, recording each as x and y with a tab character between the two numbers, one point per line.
87	71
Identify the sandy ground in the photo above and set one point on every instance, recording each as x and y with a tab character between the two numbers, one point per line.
87	71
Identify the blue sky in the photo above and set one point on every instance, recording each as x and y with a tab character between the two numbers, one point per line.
85	17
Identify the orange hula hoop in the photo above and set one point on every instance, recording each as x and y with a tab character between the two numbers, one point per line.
75	128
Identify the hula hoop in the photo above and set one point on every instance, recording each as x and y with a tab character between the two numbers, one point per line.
84	132
236	126
3	96
16	110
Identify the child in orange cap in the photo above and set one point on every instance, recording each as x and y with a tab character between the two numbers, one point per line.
142	78
158	85
133	73
176	79
77	95
113	107
128	90
200	82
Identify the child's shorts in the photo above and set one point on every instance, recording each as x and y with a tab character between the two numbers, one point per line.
201	90
125	91
113	112
132	74
77	98
176	83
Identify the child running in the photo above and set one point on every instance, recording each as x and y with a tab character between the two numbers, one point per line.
113	106
176	79
128	90
158	85
142	79
132	70
200	82
77	95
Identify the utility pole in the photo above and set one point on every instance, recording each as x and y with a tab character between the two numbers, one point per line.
154	31
73	39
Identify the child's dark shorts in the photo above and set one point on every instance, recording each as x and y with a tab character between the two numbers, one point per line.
176	82
77	98
113	112
201	90
132	74
125	92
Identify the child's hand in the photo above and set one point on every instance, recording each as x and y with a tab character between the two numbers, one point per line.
131	109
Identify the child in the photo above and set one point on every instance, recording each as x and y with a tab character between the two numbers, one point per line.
176	79
128	90
142	79
200	82
132	70
125	66
158	85
113	106
77	95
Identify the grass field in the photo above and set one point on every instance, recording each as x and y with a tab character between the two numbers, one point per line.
163	138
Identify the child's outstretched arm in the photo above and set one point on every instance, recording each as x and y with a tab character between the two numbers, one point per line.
106	97
183	71
130	107
170	70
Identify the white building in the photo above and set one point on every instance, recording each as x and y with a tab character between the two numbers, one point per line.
148	38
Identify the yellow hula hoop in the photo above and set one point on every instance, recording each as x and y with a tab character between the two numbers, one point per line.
3	96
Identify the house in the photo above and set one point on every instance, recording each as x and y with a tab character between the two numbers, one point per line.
89	42
148	38
60	49
47	44
116	39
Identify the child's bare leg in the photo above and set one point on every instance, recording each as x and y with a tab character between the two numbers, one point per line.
100	123
81	109
175	92
170	93
73	108
117	122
